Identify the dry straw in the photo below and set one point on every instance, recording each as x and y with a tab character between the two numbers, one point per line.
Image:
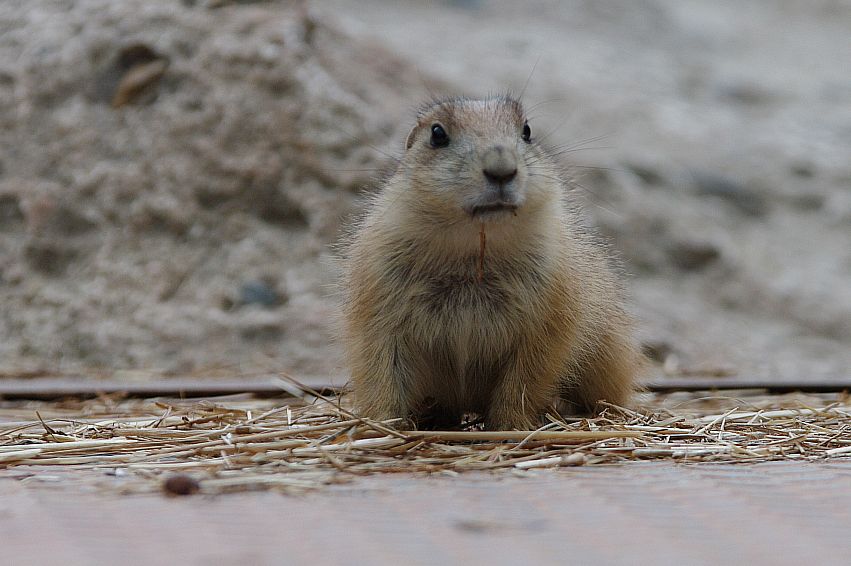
238	442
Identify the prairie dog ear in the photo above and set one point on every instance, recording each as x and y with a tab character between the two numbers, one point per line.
410	139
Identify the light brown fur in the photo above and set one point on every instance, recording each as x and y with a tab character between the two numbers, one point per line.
428	337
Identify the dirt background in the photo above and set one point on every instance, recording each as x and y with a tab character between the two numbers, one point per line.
172	173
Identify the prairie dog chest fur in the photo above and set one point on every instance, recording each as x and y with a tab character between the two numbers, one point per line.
471	286
467	314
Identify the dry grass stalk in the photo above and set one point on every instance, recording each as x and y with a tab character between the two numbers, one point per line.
238	443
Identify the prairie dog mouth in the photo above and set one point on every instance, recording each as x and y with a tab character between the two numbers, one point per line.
496	207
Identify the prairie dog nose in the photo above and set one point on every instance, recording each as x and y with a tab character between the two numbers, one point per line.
499	165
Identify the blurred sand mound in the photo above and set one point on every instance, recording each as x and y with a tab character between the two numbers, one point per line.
171	174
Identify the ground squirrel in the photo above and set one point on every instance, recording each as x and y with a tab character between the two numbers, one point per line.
471	284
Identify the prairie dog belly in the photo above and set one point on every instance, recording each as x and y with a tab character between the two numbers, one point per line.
467	331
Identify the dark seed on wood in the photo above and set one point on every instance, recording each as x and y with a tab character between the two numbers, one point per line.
181	484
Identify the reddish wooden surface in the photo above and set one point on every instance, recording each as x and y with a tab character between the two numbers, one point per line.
646	513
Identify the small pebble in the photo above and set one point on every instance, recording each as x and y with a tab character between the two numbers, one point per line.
137	80
259	293
746	200
746	94
575	459
657	350
11	214
803	170
648	174
692	256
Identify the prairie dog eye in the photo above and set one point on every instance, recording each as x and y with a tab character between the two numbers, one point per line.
527	133
439	137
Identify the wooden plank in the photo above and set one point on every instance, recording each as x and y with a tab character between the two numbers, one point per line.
656	513
50	388
776	385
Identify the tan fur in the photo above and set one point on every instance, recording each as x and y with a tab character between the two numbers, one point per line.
544	322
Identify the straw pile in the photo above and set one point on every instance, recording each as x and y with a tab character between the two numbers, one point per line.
308	441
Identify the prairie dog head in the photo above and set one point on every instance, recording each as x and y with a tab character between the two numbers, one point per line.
476	160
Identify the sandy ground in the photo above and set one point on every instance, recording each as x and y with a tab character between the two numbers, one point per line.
188	228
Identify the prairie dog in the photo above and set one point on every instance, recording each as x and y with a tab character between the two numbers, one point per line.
472	285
